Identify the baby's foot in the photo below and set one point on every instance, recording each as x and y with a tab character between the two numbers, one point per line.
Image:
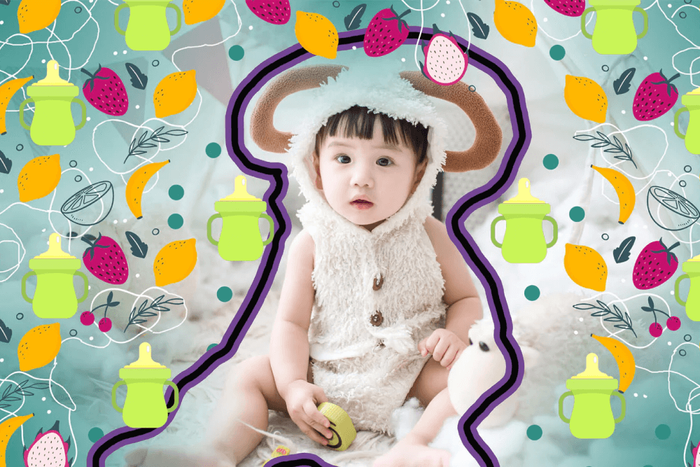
164	457
411	453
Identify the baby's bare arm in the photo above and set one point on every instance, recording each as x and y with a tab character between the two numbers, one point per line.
289	342
461	296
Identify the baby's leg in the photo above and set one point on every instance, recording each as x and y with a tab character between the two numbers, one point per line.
431	389
248	394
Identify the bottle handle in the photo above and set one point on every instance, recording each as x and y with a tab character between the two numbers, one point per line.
646	22
83	120
676	290
675	121
177	395
211	219
624	405
555	227
272	228
493	231
116	19
114	396
85	282
583	22
179	18
561	406
24	285
21	113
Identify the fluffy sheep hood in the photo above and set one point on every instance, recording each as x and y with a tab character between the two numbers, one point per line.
381	93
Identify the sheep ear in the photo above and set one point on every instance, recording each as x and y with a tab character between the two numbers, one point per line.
530	356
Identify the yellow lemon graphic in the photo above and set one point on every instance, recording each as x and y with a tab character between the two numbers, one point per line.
175	93
33	15
39	346
586	98
174	262
197	11
585	267
515	22
316	34
39	177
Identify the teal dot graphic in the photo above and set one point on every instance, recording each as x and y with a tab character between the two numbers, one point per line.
176	192
550	162
224	294
213	150
577	214
95	434
663	431
532	292
175	221
236	52
534	432
557	52
211	346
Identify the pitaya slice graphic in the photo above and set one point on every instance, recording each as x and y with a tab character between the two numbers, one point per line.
445	62
48	449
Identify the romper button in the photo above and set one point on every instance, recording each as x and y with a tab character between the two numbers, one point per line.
378	283
377	319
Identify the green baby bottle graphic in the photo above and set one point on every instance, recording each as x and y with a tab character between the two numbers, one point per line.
144	406
691	104
147	28
614	32
52	96
692	303
240	234
54	297
592	416
524	240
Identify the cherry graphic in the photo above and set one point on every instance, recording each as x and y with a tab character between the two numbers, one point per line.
673	323
105	324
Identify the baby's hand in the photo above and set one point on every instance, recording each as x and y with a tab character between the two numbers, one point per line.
444	345
302	398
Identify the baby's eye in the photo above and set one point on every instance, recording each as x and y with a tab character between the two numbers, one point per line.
384	162
343	159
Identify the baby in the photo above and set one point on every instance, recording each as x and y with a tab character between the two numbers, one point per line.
377	301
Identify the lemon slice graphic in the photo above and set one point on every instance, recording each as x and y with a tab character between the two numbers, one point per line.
85	208
669	210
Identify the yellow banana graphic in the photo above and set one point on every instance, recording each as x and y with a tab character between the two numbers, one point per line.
137	182
623	358
623	188
7	90
7	428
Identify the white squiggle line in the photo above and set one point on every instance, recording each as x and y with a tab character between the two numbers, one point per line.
469	30
20	257
539	28
681	7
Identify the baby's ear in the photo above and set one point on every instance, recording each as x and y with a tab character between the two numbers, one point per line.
420	172
316	171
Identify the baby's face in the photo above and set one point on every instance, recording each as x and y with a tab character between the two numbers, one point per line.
366	181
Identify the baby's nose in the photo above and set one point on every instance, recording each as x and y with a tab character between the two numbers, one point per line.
362	176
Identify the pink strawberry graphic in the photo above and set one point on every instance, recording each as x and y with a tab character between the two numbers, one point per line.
106	92
654	97
386	32
567	7
105	259
274	12
655	265
445	62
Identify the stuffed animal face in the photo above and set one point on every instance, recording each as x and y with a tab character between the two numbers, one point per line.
481	366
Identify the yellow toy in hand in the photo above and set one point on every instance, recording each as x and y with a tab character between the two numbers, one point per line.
341	426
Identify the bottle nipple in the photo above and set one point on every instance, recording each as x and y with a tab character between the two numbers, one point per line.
592	371
145	360
52	76
240	192
55	250
524	195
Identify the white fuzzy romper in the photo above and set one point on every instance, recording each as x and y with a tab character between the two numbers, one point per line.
378	293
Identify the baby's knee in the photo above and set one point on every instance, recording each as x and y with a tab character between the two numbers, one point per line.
254	373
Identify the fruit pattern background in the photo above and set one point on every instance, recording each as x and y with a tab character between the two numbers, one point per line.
542	48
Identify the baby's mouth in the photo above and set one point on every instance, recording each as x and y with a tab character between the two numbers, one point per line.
362	204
